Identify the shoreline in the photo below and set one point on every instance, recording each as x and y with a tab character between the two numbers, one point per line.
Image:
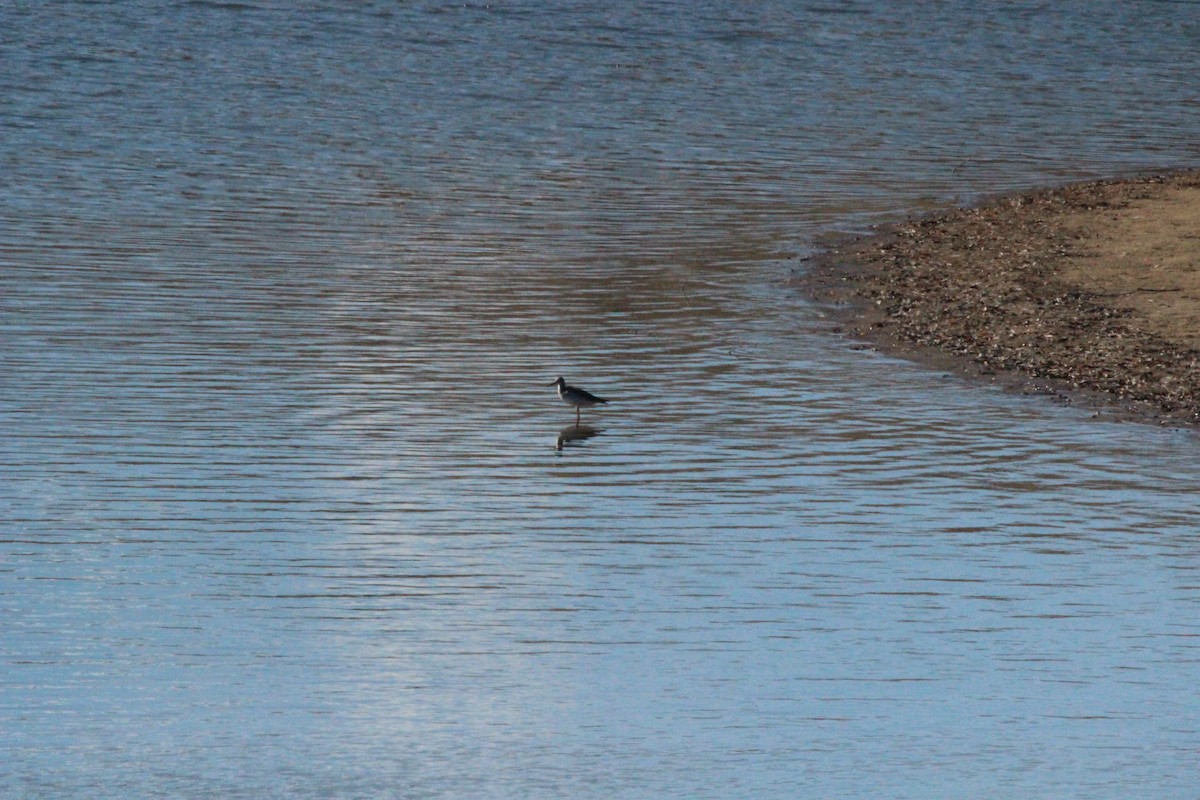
1088	292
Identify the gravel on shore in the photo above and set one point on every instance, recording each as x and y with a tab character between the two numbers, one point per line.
1089	291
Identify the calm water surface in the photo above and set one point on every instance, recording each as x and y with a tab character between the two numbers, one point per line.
289	509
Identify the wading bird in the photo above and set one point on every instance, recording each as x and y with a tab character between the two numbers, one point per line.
574	396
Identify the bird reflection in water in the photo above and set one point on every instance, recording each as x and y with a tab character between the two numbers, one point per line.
574	435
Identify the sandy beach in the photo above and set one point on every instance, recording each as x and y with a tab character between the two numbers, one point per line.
1089	292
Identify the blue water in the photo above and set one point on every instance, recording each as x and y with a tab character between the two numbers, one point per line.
288	507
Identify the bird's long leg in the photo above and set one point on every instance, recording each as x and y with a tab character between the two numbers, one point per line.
576	416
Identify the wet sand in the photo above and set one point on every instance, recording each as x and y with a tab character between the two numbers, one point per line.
1089	292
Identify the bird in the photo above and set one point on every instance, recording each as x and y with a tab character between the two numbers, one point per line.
574	396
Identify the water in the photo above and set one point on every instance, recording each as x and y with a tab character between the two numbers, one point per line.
290	510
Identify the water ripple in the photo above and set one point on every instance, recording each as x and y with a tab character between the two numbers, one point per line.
281	294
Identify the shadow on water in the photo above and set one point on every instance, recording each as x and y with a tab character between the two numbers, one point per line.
575	435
